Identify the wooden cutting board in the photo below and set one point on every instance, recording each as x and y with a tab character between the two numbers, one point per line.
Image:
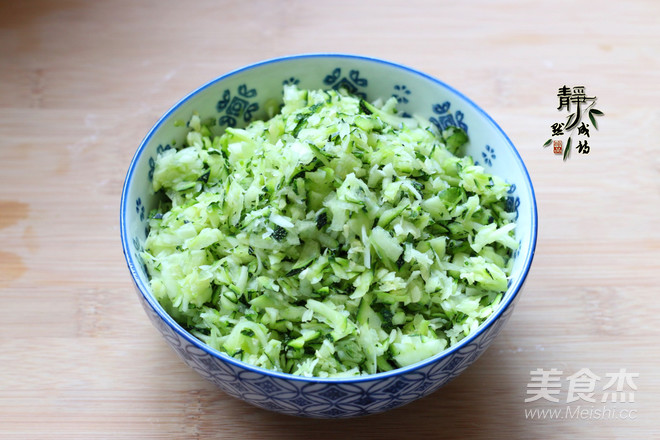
82	82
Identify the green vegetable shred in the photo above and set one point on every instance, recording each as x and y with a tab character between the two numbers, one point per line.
337	238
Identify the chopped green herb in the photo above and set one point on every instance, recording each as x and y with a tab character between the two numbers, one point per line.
279	233
321	220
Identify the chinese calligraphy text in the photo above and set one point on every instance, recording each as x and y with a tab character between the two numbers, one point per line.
578	104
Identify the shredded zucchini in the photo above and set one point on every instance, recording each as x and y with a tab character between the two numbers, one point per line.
335	239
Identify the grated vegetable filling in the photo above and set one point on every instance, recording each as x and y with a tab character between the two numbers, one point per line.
336	238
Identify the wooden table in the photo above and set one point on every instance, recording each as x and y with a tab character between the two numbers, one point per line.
82	82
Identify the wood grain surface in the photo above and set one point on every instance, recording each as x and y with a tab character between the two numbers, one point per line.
81	83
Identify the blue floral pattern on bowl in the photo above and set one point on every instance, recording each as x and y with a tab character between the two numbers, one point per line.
488	155
446	119
236	99
232	107
292	81
324	399
352	83
401	93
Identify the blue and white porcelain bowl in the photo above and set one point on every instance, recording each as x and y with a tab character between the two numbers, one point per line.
240	96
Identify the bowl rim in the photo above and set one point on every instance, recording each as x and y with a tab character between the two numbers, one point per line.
507	299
